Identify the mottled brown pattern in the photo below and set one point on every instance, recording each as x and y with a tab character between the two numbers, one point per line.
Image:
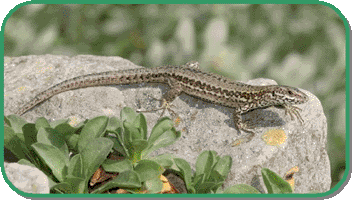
190	80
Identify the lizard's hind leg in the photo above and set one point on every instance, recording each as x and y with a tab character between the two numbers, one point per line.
164	106
166	102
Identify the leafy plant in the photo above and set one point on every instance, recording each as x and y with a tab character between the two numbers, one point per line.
211	171
69	156
273	182
131	134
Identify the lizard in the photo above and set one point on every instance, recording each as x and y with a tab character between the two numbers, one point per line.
191	80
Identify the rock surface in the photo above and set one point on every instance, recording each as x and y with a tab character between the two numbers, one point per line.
26	178
205	126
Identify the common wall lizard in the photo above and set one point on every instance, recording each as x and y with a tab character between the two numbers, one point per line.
191	80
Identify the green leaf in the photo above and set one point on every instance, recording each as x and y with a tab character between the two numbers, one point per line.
94	154
15	122
164	162
30	134
62	188
197	180
216	156
164	159
148	169
117	165
65	129
219	191
274	183
118	145
41	123
186	172
163	134
128	114
13	143
215	177
19	134
7	122
81	124
72	185
25	162
204	164
241	189
72	142
135	149
163	125
167	138
131	132
141	123
223	166
57	122
113	124
126	179
135	126
153	185
204	187
53	157
94	128
77	185
68	134
75	167
52	137
217	185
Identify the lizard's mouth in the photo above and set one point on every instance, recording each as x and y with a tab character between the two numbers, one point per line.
303	98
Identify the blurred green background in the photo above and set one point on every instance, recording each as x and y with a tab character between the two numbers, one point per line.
297	45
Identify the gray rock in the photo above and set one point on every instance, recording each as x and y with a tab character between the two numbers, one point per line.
205	126
26	178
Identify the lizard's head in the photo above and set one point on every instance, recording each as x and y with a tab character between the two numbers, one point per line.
290	95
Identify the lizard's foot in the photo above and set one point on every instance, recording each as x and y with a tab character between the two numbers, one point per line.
244	139
243	126
165	106
246	128
155	99
293	111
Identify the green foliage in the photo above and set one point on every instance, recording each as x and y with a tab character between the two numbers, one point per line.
211	172
273	182
69	156
131	135
126	179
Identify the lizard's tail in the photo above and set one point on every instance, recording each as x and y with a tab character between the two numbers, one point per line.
123	77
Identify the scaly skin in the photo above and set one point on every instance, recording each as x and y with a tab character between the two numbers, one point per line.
190	80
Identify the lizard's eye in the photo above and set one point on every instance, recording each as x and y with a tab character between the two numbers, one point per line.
290	92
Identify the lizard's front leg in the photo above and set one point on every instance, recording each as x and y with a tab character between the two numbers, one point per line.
293	111
240	125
